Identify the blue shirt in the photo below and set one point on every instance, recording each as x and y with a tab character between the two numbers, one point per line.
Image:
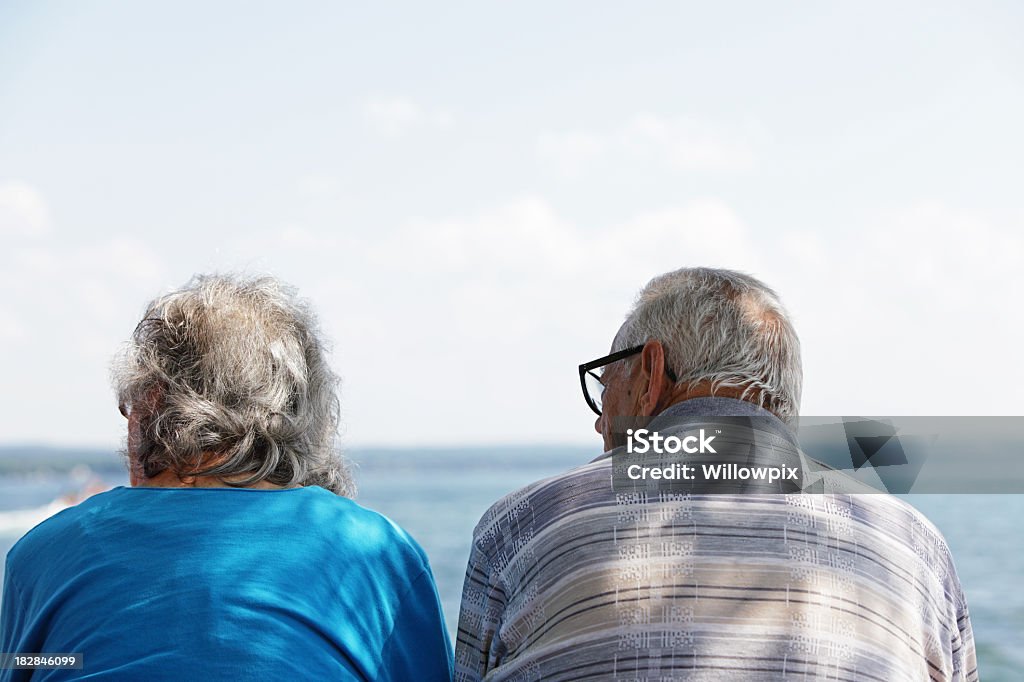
224	583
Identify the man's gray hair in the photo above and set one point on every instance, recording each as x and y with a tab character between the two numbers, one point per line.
721	327
234	373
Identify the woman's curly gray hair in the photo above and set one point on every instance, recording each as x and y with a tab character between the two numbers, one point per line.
235	372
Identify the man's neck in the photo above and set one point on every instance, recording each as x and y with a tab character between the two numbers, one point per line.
715	406
701	389
720	406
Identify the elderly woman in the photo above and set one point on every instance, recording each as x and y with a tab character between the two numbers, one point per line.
235	553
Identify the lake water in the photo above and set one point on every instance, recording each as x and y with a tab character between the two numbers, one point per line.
438	496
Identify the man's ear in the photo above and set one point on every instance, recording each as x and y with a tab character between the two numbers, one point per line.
652	368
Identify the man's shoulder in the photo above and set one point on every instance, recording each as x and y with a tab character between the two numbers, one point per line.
872	508
883	525
891	511
544	500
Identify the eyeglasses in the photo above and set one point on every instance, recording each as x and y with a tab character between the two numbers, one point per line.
591	373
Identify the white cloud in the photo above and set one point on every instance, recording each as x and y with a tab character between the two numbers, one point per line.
395	115
897	318
486	314
22	210
77	290
483	316
495	308
686	144
682	144
961	258
525	240
524	236
122	257
69	307
700	232
910	315
570	153
12	329
318	186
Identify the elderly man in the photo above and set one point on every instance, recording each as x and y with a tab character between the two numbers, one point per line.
235	554
588	575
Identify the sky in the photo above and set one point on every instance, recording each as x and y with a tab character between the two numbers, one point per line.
471	194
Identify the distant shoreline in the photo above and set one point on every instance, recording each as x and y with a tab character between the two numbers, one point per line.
34	459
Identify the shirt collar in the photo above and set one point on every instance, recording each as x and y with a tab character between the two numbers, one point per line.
707	406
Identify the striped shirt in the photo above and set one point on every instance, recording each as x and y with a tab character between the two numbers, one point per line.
572	579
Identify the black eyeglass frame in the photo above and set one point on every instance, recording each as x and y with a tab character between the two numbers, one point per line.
588	367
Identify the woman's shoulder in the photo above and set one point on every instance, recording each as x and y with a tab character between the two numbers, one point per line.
364	530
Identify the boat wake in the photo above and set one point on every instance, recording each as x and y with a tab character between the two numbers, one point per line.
16	522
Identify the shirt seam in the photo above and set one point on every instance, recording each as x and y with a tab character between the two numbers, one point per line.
394	622
18	592
499	582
